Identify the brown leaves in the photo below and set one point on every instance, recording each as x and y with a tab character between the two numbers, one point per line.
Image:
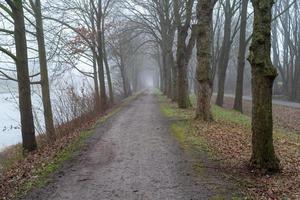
25	171
232	143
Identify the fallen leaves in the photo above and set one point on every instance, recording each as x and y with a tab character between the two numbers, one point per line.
232	142
18	178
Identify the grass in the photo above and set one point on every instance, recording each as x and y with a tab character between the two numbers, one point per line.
183	129
230	116
229	138
186	133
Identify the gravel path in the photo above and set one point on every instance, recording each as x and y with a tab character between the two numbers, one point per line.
133	156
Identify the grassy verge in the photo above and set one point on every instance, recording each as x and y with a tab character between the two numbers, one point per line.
36	168
228	139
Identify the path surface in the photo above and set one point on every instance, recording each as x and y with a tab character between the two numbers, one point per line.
133	156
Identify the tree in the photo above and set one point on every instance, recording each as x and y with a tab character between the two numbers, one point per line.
184	51
100	55
203	70
263	75
230	8
21	60
37	10
238	101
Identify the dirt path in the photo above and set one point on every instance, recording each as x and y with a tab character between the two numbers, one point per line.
133	156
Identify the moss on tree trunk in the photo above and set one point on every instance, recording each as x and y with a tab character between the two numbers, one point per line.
203	70
263	75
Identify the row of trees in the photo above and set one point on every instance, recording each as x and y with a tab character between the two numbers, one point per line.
176	27
112	38
79	37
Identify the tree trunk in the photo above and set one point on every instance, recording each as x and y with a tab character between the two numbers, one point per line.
263	75
103	97
25	104
96	86
182	65
203	70
109	82
169	75
50	131
238	100
164	72
126	88
174	83
296	81
224	57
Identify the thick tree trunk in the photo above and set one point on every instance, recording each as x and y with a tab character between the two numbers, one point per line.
50	130
182	65
263	75
183	88
203	70
238	100
25	104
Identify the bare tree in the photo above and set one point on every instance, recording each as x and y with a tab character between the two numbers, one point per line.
184	51
238	101
37	12
15	11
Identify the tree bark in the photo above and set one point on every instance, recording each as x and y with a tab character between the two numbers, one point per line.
224	57
203	70
109	81
184	51
263	75
238	100
103	97
96	85
174	83
48	115
25	104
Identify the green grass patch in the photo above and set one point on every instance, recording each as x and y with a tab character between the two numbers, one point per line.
230	116
179	131
169	109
